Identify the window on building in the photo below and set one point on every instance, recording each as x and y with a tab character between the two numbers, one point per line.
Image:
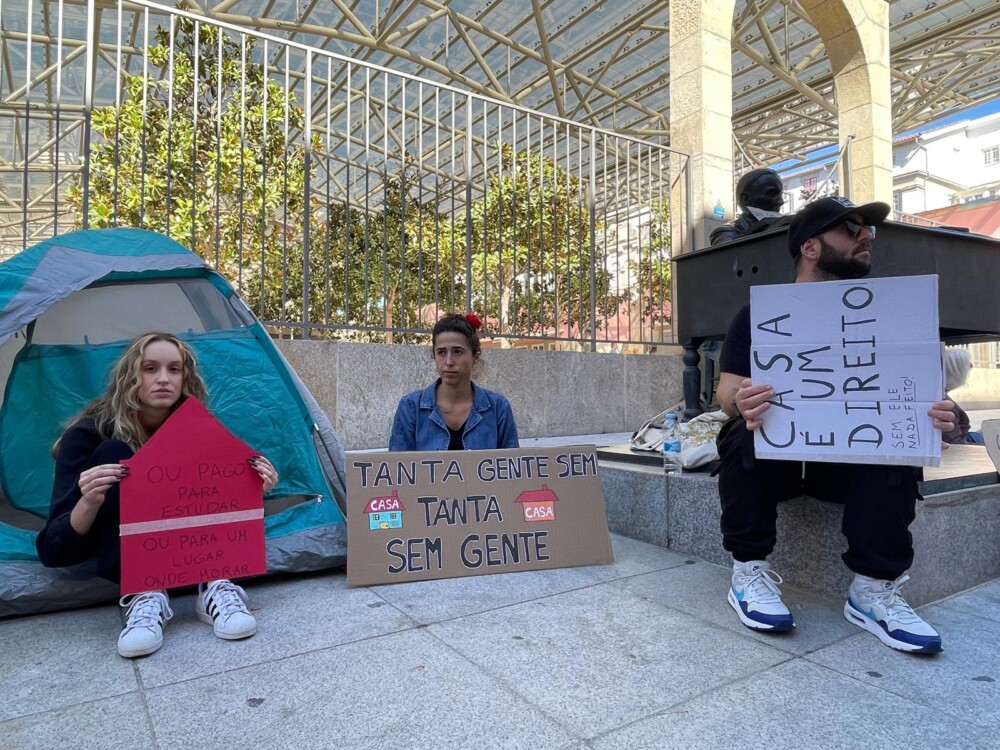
991	155
897	201
809	183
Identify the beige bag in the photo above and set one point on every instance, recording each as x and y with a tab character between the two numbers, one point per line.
698	439
697	436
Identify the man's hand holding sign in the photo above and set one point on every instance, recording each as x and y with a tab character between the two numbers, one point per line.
752	401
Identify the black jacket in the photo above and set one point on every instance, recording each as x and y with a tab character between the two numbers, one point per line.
744	225
57	543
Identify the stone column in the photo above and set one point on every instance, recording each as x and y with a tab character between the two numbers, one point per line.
856	36
701	113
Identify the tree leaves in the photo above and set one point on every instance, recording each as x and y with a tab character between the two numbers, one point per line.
200	150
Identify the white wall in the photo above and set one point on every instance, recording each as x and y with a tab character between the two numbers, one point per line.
947	165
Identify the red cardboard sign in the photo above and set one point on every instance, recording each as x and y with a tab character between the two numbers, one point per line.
192	506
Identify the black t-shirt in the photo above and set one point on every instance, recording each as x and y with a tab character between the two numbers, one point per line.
455	439
736	348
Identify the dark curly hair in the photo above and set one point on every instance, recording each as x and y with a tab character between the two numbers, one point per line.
456	323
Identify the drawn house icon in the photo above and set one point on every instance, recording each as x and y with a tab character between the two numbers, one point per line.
385	512
538	505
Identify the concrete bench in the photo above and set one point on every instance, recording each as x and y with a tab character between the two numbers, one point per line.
956	533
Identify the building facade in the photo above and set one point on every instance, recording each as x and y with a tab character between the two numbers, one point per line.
955	164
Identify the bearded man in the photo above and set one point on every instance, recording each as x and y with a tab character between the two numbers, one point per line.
828	239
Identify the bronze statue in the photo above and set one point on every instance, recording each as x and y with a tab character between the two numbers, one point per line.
759	194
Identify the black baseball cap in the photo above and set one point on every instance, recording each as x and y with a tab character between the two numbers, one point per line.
816	217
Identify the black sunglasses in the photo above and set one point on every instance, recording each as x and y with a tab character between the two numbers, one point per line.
854	229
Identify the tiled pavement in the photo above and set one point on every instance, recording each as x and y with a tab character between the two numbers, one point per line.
644	653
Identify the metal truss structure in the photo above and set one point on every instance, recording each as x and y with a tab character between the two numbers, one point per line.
284	165
605	62
599	63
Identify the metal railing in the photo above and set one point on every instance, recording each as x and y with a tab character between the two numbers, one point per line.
341	198
916	220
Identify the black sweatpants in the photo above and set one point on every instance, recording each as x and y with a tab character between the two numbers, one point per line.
879	503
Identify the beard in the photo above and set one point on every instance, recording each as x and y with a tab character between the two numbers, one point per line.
839	265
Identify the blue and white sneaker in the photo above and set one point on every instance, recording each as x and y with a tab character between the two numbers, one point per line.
757	599
876	606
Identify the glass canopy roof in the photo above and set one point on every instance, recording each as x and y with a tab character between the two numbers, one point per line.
605	63
596	62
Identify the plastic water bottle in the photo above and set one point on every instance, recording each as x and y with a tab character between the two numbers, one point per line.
671	445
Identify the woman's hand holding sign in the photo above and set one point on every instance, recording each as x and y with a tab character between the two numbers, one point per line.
94	484
268	474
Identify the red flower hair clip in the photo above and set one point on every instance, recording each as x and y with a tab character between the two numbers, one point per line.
473	320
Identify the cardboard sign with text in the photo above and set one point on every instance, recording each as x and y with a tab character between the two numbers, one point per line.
447	514
192	506
991	438
855	366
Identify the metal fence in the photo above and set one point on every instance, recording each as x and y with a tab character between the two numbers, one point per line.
341	198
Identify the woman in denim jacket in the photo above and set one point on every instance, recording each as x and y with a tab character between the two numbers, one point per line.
454	413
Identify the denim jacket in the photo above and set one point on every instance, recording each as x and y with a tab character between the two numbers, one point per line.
419	426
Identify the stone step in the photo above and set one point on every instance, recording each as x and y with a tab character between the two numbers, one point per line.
956	533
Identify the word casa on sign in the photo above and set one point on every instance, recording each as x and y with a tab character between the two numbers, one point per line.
848	370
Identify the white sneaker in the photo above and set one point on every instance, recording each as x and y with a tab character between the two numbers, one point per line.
757	599
145	617
223	604
877	606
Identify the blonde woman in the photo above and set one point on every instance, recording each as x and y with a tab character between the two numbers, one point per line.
151	379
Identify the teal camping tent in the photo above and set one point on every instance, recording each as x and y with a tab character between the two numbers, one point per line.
68	307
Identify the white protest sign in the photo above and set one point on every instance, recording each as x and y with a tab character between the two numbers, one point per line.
855	366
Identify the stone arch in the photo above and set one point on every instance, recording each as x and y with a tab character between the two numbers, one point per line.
856	36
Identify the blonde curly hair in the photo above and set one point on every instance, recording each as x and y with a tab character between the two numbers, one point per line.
116	413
